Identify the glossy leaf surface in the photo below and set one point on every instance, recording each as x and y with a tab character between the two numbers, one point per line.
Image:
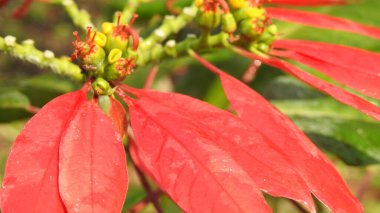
336	128
318	172
31	175
358	69
322	21
92	163
251	151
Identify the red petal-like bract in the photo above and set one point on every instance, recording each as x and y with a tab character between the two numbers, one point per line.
330	89
68	158
31	174
118	116
208	143
318	172
356	68
305	2
92	163
322	21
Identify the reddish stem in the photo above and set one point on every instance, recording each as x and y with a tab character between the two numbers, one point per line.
32	109
152	75
205	63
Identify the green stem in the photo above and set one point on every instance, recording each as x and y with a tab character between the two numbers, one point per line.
169	26
129	10
172	49
79	17
27	52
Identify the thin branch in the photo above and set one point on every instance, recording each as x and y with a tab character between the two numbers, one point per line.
79	17
152	197
364	185
43	59
129	10
298	206
151	76
170	25
143	203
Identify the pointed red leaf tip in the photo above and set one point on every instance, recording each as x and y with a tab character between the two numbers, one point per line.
330	89
31	174
356	68
306	2
317	171
92	163
322	21
212	146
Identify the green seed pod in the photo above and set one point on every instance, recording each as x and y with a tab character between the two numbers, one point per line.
263	47
272	29
116	42
208	19
111	72
102	87
228	23
119	70
266	37
93	60
247	28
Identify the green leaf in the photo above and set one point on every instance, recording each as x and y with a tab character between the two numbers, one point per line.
339	129
14	99
13	105
8	133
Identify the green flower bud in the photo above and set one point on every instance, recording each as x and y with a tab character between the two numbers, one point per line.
272	29
119	70
228	23
94	60
208	19
247	28
102	87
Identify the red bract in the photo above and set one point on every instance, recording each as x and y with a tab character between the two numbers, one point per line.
71	145
290	142
330	89
353	67
322	21
221	143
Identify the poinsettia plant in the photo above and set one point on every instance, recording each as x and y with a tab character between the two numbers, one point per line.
71	155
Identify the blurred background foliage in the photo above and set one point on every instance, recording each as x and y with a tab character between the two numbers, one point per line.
349	138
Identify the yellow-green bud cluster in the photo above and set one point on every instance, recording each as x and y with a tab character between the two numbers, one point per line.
107	56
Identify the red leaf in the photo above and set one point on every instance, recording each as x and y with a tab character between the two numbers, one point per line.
356	68
330	89
326	184
199	135
322	21
318	172
118	116
92	163
305	2
31	175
